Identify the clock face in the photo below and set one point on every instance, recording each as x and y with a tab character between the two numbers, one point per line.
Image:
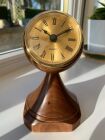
53	39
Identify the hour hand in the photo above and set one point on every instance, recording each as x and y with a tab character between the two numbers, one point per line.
46	32
65	31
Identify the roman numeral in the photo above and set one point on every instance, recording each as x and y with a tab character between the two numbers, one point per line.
71	39
43	54
68	48
44	21
37	46
52	57
34	37
54	21
38	29
63	23
63	57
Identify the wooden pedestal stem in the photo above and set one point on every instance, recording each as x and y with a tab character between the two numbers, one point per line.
51	107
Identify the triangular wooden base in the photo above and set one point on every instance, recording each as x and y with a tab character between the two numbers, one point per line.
51	107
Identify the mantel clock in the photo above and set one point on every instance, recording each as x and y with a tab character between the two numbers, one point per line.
52	42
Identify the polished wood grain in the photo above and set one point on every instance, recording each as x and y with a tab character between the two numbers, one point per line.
53	42
51	107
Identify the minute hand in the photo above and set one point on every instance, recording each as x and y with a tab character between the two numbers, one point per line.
65	31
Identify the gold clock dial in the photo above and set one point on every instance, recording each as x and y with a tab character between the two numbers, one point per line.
53	39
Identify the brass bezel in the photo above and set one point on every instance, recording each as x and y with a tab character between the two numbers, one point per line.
49	67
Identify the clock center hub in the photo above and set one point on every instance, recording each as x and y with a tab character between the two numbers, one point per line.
53	38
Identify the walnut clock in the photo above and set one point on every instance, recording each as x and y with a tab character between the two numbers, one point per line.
52	42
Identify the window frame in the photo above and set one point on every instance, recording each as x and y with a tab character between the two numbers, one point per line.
76	8
12	61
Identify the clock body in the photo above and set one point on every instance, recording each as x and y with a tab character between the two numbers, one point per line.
53	41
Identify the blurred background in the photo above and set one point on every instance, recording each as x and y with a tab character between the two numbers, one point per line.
14	15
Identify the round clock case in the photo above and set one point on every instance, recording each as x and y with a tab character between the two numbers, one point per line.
53	41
